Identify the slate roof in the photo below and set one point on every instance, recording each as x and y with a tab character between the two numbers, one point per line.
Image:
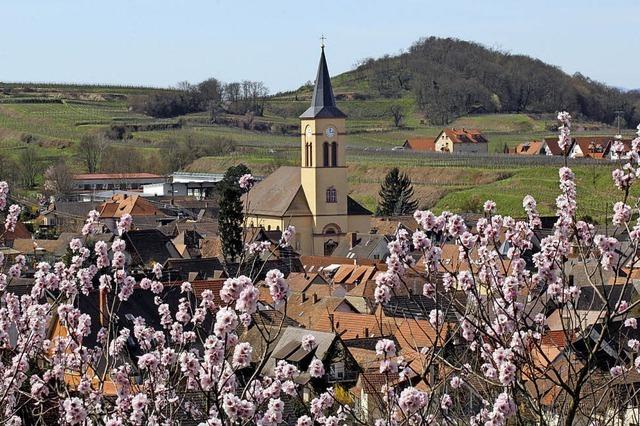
356	209
364	247
288	346
418	306
149	245
323	103
141	303
589	300
204	228
183	269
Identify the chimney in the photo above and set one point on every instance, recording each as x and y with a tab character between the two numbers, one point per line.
304	297
353	239
366	332
333	329
315	298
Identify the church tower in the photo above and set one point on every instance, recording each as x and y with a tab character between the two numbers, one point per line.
315	196
323	169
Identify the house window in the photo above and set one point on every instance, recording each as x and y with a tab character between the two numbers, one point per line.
325	154
334	154
332	196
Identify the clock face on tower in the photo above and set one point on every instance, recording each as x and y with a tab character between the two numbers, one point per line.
330	132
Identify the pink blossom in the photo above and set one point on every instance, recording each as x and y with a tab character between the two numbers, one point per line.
287	236
489	207
246	181
12	217
621	213
616	371
278	288
316	369
309	342
124	224
242	355
386	348
74	411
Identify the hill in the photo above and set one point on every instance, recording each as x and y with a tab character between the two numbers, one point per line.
447	78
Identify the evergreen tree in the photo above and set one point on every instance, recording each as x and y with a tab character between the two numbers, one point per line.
396	195
231	211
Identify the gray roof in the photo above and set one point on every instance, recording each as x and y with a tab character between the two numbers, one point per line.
289	345
365	245
275	194
281	193
323	103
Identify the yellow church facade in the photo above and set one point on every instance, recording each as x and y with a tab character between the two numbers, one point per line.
313	197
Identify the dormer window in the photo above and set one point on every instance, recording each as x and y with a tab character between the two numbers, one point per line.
332	195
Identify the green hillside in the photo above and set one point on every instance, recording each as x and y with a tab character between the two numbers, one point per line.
42	124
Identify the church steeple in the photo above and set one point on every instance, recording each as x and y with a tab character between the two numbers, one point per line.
323	103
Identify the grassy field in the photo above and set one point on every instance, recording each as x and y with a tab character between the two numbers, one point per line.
56	127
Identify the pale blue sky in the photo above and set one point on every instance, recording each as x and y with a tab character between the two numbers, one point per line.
161	42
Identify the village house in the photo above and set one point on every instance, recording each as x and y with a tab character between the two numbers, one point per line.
145	215
315	196
66	216
363	246
461	141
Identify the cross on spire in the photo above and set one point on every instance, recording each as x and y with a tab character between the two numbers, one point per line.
322	39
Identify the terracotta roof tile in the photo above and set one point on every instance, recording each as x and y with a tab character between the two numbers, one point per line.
465	135
421	144
117	176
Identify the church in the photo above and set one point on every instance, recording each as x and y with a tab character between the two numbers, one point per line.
315	196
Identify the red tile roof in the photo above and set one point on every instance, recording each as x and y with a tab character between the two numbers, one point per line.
115	176
529	148
465	135
421	144
121	204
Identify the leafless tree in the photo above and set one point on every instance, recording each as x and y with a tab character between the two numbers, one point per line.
91	148
28	167
58	180
398	115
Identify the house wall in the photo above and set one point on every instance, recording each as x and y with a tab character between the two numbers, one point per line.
576	152
443	143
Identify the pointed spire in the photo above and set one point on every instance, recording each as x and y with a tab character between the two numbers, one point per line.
323	103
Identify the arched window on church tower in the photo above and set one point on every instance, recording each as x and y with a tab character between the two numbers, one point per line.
334	154
308	155
325	154
332	195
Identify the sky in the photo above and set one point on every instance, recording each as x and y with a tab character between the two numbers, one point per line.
161	42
